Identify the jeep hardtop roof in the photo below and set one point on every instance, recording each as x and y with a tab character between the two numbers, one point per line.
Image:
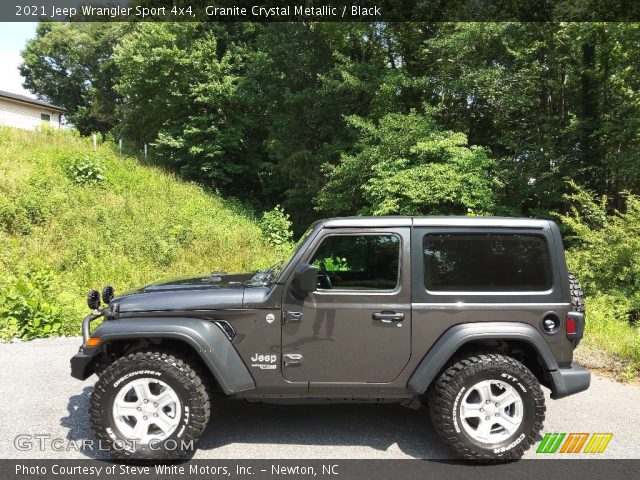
435	221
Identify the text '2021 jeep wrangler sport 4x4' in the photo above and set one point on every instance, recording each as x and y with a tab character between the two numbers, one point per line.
470	314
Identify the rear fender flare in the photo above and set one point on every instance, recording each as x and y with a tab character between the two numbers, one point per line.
456	337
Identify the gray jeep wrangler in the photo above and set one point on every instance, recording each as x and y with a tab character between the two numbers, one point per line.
467	314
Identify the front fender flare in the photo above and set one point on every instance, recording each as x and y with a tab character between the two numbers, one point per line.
459	335
206	339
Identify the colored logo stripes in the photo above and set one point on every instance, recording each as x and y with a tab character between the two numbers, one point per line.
574	442
550	442
598	442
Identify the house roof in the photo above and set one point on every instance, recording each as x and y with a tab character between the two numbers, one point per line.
30	101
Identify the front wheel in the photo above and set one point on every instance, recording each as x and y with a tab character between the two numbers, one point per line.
487	407
149	405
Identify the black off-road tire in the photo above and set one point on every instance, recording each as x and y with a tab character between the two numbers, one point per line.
577	296
447	391
176	373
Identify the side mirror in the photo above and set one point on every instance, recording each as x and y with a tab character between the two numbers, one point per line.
305	279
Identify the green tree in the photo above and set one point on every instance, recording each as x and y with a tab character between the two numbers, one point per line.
71	65
550	100
405	165
180	86
303	81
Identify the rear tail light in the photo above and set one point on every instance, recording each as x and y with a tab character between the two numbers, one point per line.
571	326
574	326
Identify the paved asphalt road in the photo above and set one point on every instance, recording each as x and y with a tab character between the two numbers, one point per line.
38	397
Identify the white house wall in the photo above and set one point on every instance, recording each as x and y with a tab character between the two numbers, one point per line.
27	117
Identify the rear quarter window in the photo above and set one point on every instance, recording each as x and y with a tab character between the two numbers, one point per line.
486	262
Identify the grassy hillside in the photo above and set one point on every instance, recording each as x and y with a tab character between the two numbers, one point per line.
72	219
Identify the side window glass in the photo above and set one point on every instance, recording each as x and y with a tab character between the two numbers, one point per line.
358	262
486	263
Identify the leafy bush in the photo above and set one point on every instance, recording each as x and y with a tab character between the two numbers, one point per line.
604	252
276	227
85	169
28	307
334	264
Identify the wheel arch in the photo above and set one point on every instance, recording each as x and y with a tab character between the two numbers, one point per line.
203	340
519	340
116	348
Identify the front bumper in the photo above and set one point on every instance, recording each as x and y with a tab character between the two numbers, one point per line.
567	381
82	363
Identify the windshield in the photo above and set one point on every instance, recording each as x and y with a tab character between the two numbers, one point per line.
266	277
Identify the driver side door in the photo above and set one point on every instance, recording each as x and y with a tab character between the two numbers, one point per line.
356	327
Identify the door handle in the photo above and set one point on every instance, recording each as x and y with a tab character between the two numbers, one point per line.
292	359
291	317
388	317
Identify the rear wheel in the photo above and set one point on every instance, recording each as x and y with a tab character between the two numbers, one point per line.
149	405
487	407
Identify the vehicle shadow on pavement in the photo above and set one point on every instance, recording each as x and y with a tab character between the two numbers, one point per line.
377	426
77	421
266	428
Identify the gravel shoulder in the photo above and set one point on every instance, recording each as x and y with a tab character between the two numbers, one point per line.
40	398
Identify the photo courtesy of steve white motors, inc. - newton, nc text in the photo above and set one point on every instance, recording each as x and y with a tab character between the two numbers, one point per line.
332	240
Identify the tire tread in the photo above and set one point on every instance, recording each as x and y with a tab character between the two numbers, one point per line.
441	397
149	360
577	295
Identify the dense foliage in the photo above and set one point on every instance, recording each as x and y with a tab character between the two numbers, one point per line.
605	255
405	165
606	250
282	113
62	233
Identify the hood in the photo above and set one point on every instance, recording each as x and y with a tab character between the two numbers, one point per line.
210	292
213	280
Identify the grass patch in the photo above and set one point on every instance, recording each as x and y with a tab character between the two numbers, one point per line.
609	331
72	219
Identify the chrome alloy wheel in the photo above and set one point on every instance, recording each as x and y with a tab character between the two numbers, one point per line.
146	409
491	411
